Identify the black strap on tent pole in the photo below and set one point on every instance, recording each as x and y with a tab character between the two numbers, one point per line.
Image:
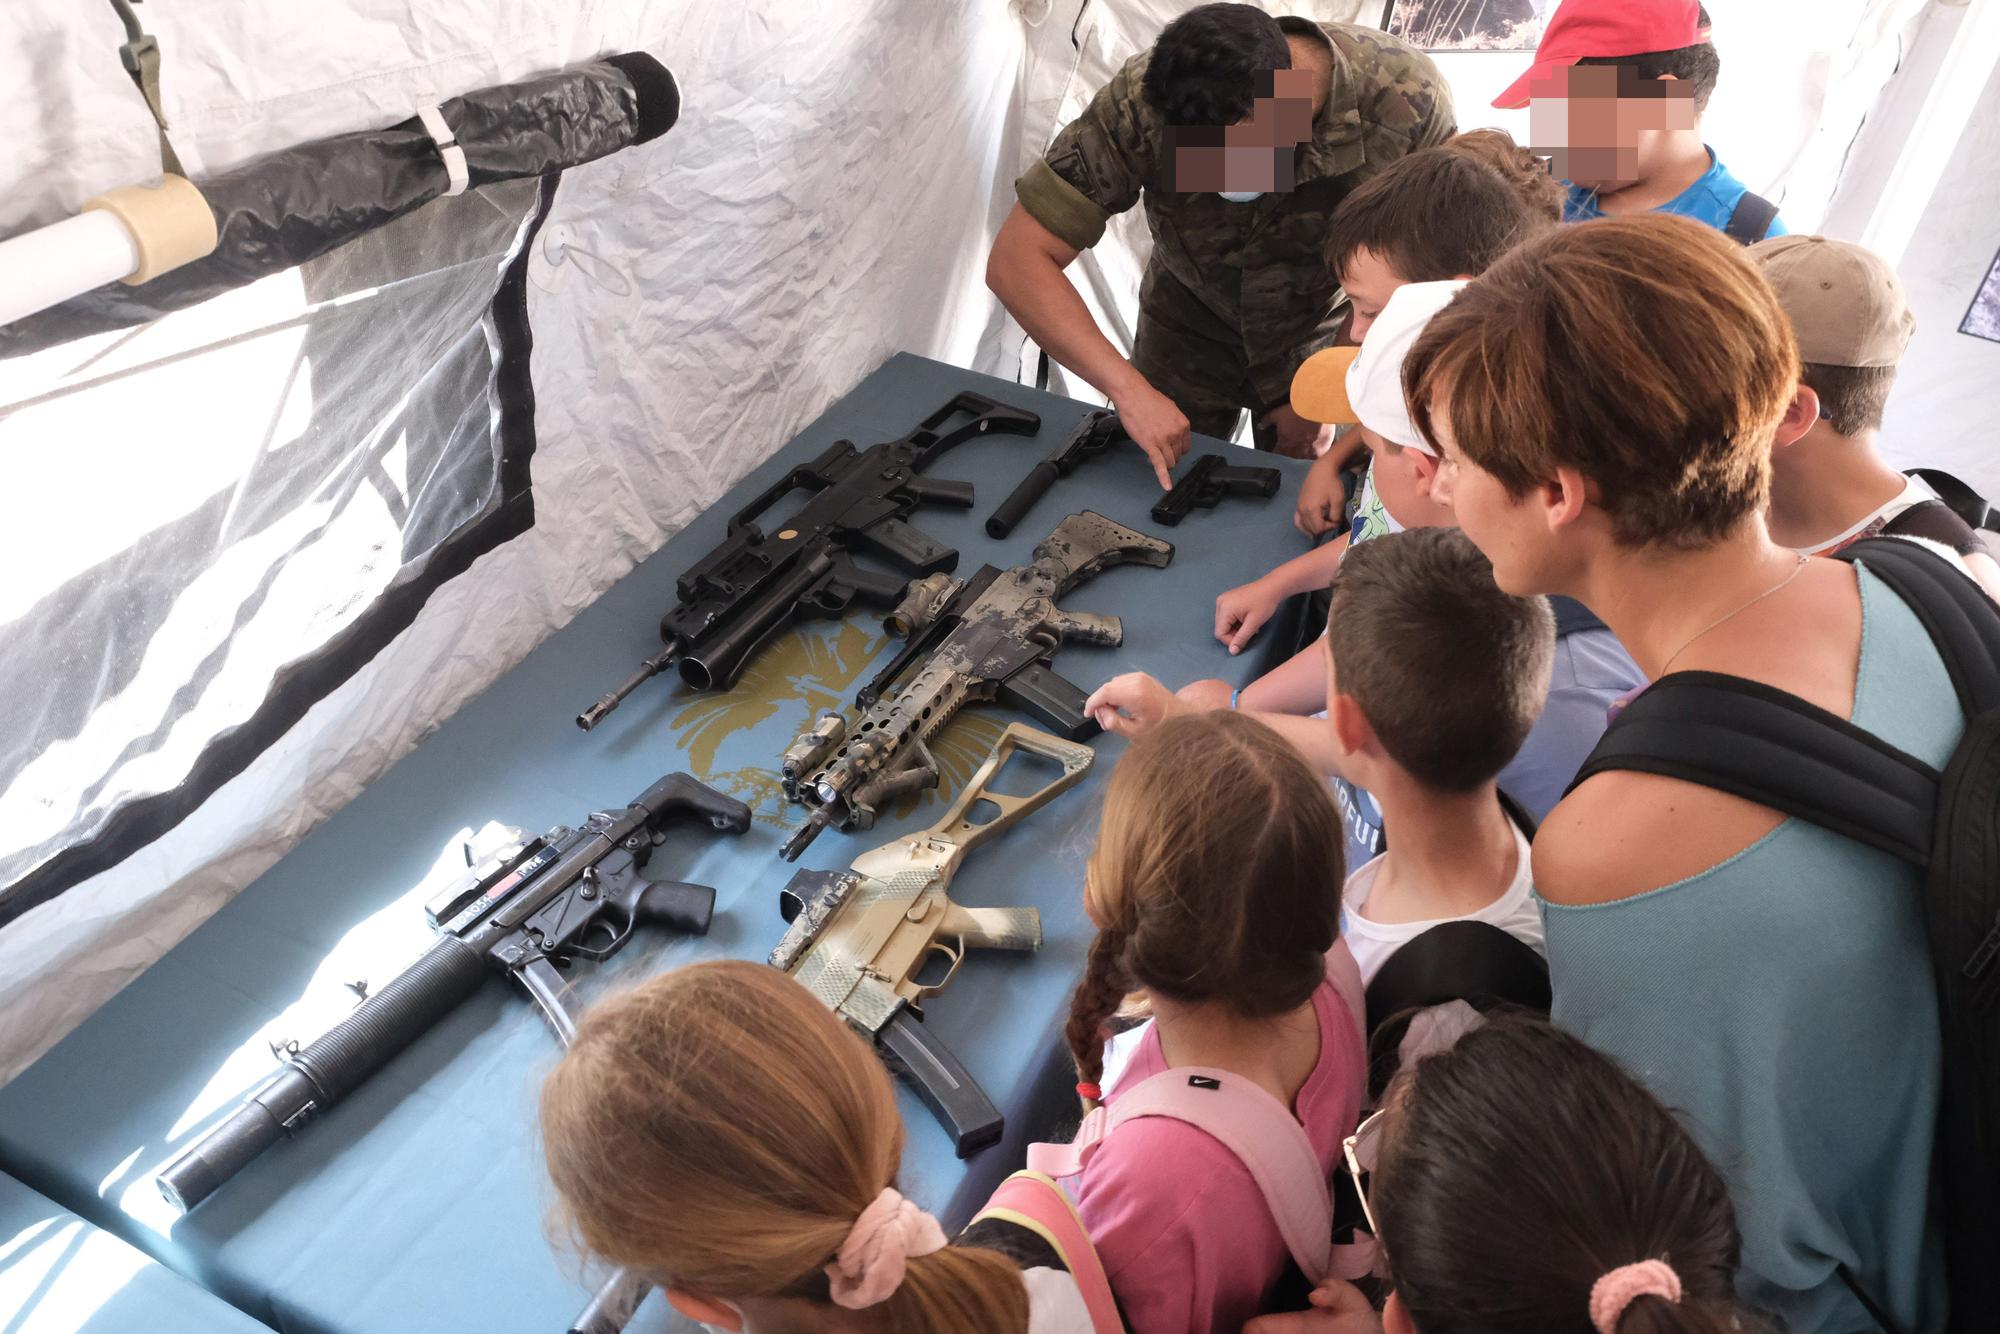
141	54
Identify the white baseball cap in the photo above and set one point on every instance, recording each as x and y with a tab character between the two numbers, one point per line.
1365	384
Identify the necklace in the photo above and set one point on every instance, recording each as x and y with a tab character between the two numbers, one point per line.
1778	587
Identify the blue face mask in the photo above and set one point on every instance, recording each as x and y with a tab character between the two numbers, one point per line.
1240	196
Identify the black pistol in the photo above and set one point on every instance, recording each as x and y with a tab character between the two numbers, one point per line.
1207	482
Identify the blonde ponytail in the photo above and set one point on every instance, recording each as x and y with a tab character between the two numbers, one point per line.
717	1129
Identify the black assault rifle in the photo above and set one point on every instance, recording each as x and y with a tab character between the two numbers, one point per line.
757	582
572	893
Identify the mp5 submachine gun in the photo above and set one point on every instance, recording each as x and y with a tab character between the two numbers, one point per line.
860	938
757	582
570	894
989	639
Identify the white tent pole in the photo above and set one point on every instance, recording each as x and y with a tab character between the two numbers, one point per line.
47	267
132	234
1947	109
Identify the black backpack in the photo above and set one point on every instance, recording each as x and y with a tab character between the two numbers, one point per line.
1773	748
1955	519
1475	962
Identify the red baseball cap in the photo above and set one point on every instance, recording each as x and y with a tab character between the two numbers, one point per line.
1582	28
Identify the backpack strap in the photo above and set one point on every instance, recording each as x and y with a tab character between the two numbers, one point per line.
1935	521
1254	1126
1771	747
1033	1201
1960	498
1263	1135
1750	220
1963	623
1345	974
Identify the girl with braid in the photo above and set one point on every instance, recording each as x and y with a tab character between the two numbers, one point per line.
1215	889
718	1131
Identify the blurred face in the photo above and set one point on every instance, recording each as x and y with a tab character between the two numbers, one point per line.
1369	282
1257	153
1604	128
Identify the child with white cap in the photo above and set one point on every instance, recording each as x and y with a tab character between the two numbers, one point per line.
1590	671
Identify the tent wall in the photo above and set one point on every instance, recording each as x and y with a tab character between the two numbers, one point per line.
694	302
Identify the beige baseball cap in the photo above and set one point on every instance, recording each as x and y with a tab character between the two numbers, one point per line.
1845	302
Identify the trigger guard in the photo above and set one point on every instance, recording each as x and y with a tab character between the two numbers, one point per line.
957	957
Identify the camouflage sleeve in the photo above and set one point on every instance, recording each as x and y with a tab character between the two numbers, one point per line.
1440	120
1098	164
1405	102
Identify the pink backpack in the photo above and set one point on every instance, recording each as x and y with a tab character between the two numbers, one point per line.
1253	1125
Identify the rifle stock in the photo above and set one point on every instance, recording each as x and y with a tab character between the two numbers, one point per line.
859	939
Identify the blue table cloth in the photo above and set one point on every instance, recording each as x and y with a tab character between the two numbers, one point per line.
419	1202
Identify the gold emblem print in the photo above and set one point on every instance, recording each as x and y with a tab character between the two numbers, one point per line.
798	676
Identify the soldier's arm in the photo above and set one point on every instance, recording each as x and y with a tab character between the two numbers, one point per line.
1025	271
1096	167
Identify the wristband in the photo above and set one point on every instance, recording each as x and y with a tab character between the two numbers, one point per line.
1235	695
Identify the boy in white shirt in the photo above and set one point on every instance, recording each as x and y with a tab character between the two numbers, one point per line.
1433	679
1830	485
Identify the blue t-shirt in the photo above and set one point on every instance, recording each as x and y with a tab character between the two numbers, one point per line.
1711	199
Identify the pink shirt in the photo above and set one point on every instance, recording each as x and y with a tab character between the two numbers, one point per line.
1185	1236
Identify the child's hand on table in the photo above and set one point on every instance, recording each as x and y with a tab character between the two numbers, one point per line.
1241	611
1133	704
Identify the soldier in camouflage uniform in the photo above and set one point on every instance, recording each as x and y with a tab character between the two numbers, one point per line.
1236	294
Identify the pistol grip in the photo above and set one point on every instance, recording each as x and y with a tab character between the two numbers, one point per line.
685	908
993	928
959	1104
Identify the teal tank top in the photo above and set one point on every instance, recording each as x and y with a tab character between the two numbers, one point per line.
1782	1003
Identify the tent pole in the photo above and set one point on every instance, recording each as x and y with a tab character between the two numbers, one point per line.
133	235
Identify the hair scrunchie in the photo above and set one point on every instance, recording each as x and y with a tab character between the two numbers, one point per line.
1610	1295
869	1265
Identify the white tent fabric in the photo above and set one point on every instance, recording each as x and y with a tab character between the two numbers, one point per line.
700	298
826	200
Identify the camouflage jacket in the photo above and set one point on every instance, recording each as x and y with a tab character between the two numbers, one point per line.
1255	273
